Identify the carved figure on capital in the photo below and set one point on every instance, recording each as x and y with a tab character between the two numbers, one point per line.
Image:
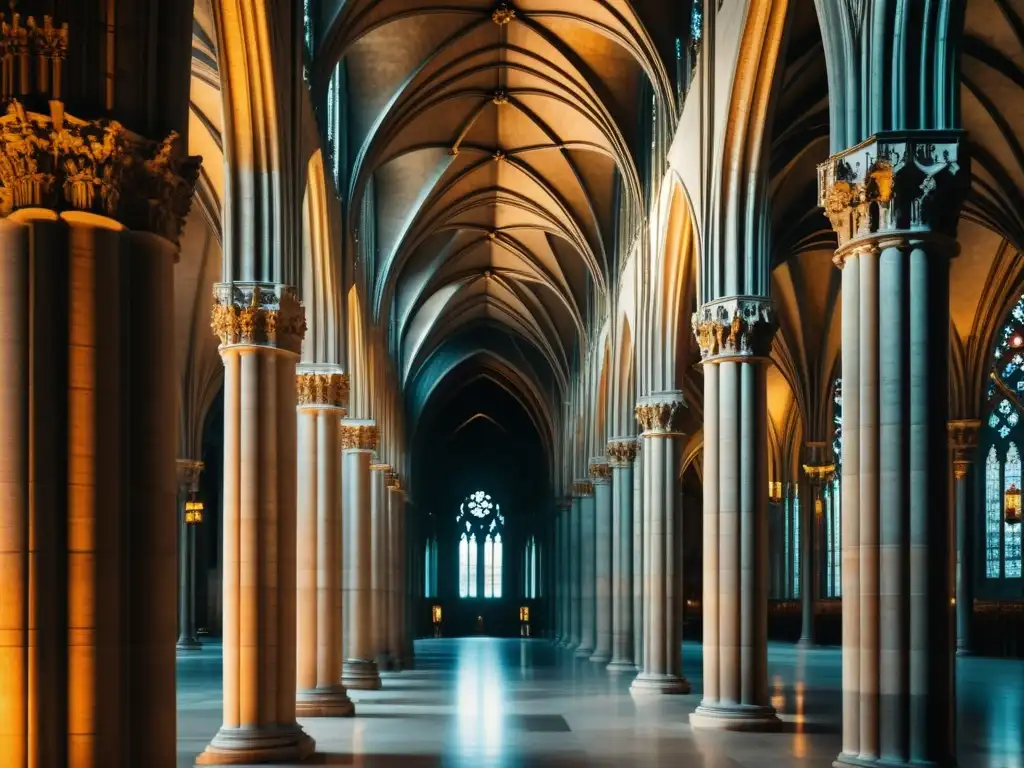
600	472
739	326
258	314
622	453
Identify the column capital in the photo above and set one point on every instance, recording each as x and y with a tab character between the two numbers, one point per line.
819	474
189	471
581	488
258	314
659	413
735	327
321	386
393	481
60	162
622	451
379	466
359	435
600	472
907	184
963	439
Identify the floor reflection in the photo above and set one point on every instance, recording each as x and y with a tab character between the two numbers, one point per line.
481	697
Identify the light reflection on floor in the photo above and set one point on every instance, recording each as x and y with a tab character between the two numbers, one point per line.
484	702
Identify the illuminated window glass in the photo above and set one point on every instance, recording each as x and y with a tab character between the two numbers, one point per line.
993	515
480	524
1011	531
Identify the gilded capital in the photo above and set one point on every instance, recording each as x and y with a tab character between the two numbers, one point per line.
895	183
960	469
622	451
735	327
258	314
820	474
61	162
600	472
317	387
582	488
963	439
359	435
660	413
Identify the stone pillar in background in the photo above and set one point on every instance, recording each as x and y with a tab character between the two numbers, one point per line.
584	492
322	398
735	335
600	474
380	479
894	202
359	668
639	563
575	560
659	415
963	440
819	473
188	485
621	454
395	572
556	593
260	327
565	569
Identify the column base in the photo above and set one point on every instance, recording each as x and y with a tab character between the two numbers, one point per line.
803	644
621	666
360	675
582	652
647	683
264	744
854	761
601	657
188	644
735	717
964	652
324	702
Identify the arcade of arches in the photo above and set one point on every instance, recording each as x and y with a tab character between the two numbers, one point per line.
496	365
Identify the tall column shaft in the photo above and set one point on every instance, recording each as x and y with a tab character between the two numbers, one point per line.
188	483
622	453
565	559
555	594
600	473
575	571
588	585
735	335
359	668
322	395
259	508
639	559
380	479
896	226
396	570
818	473
963	439
659	416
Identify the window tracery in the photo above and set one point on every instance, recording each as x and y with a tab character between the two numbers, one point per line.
480	523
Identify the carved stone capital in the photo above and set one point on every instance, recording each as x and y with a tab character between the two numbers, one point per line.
189	471
819	474
359	435
60	162
660	413
895	183
600	472
321	387
258	314
622	451
735	327
961	468
582	488
963	439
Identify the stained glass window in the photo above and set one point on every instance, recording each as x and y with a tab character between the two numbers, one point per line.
480	524
795	518
834	500
1011	531
993	515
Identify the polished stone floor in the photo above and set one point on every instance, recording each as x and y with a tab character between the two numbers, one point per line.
487	702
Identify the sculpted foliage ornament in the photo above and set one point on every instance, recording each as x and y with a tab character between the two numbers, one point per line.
62	163
258	314
622	453
600	472
359	437
660	414
317	388
895	183
739	326
582	488
503	14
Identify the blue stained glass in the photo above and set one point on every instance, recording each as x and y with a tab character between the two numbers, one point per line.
993	420
1009	369
1005	407
1012	419
1004	431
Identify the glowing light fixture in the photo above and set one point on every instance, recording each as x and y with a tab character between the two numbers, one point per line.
193	511
1011	504
524	613
435	614
775	491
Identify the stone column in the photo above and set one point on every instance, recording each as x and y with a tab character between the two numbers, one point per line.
584	490
359	668
963	440
659	415
396	573
565	570
818	474
639	524
322	397
555	593
621	453
734	335
188	485
894	202
600	474
260	327
575	570
380	479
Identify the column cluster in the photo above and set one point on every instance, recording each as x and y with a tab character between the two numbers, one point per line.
621	454
963	442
